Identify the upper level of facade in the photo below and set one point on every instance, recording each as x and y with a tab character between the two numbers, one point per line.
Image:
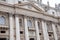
25	14
50	10
30	8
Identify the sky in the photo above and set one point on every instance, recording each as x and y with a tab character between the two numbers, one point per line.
51	2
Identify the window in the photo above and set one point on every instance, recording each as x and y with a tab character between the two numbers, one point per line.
31	39
20	21
3	31
2	20
39	26
53	12
3	39
21	32
50	34
39	33
49	26
29	23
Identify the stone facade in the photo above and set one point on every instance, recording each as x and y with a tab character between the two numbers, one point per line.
28	21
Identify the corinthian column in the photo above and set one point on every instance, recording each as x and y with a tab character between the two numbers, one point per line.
45	33
26	29
54	31
17	27
11	18
37	30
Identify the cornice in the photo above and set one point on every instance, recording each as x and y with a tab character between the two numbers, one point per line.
37	12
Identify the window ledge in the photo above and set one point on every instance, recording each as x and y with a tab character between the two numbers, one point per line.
31	28
3	26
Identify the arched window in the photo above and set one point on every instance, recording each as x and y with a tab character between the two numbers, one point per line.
2	20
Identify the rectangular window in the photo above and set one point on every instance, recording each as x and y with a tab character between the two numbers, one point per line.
31	39
21	32
49	26
51	35
2	31
40	25
20	22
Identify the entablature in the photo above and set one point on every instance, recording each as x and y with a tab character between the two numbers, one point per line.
27	12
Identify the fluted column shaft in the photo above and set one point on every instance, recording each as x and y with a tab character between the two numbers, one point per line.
54	31
11	18
17	27
45	32
26	29
37	30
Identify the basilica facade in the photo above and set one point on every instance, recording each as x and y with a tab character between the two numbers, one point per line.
29	20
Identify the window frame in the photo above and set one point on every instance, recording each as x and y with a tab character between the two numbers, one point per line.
20	22
3	17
